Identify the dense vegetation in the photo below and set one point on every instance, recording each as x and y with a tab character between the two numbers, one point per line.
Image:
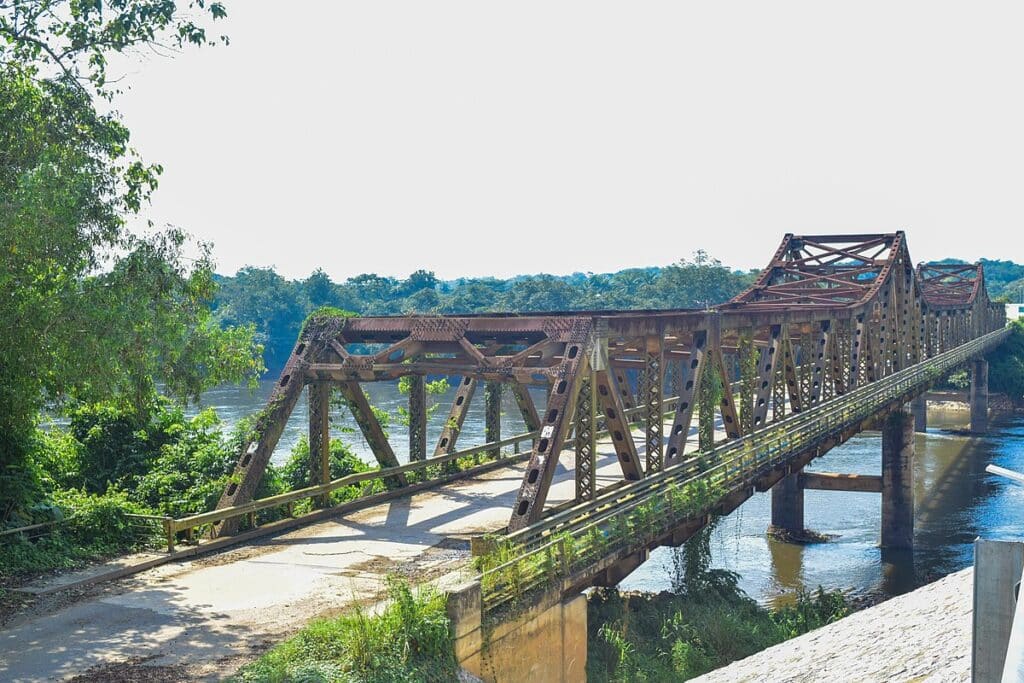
106	465
94	316
705	622
409	641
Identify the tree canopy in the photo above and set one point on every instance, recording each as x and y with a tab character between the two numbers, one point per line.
91	310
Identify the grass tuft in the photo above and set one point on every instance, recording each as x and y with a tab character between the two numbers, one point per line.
409	641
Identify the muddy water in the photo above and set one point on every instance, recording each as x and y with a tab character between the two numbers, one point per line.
956	501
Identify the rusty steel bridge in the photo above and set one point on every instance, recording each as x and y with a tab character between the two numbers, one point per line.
839	333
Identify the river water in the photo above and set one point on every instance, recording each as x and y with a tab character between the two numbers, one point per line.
956	501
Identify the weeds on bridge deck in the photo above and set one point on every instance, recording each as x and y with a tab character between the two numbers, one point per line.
511	570
567	549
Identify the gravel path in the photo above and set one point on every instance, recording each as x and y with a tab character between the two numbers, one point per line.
924	635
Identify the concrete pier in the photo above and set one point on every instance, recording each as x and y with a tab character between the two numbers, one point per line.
898	480
920	408
788	504
979	395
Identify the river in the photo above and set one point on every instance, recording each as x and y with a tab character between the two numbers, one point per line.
956	501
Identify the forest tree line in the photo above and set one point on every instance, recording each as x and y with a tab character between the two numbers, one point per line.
277	306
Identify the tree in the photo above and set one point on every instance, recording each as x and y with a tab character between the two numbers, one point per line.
1006	371
700	283
90	309
70	40
261	297
319	290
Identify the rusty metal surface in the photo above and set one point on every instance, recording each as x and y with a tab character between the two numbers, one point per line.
828	314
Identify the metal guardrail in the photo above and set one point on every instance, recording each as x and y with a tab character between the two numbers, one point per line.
551	548
174	526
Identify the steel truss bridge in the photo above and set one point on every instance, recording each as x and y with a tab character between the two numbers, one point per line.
837	332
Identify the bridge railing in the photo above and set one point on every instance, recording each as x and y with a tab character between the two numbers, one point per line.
191	525
634	516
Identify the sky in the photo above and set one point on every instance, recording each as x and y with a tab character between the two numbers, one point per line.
479	138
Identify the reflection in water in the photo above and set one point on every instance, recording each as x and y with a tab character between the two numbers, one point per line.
956	501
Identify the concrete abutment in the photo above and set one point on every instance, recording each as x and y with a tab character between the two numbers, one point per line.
546	643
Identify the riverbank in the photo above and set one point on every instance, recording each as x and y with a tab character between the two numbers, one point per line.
924	635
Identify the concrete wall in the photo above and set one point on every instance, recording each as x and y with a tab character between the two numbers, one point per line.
541	645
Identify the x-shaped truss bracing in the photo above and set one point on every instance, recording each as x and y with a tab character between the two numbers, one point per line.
828	313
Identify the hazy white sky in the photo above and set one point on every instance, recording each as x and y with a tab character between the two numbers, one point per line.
479	138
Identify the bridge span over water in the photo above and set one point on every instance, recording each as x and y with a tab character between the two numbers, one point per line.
654	422
838	334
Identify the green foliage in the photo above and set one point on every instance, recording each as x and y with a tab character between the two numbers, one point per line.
295	472
668	637
95	526
91	311
73	38
192	467
958	380
1006	364
410	641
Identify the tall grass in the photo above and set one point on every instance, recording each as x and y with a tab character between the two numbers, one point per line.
705	623
409	641
670	637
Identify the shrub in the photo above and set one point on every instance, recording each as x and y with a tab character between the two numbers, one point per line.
409	640
96	526
191	469
295	472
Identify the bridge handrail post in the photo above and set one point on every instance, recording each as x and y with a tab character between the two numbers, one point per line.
169	533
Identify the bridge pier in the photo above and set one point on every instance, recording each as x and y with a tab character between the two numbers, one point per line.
920	408
979	395
898	480
788	504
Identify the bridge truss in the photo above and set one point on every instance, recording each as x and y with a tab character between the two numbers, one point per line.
829	314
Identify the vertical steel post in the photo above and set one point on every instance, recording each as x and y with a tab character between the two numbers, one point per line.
417	418
586	438
492	416
320	438
653	395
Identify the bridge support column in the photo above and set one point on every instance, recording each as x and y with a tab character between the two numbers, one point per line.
788	504
920	407
979	395
898	480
